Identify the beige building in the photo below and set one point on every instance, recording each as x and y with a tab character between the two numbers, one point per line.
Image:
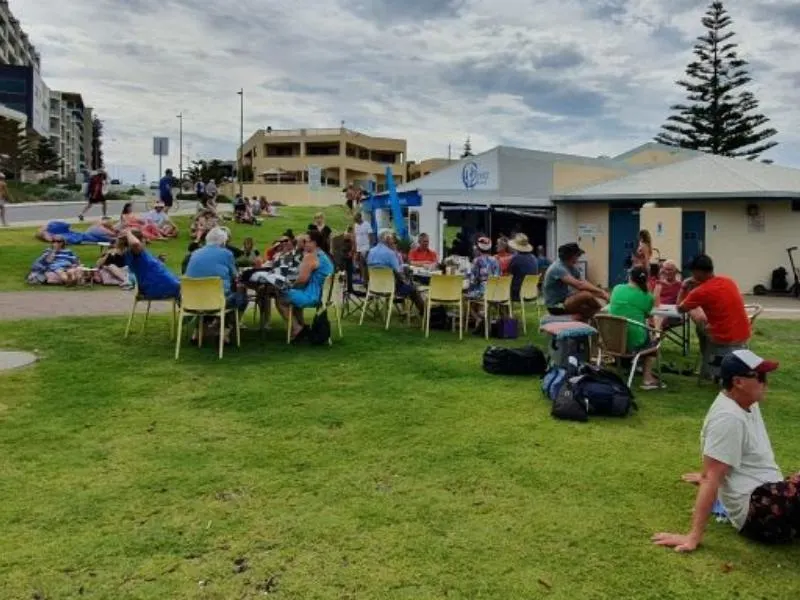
415	170
743	214
281	159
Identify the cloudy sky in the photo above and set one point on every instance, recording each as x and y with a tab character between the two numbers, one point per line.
585	76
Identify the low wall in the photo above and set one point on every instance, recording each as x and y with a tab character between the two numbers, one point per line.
288	194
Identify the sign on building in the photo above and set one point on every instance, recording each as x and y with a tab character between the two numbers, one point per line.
314	178
160	146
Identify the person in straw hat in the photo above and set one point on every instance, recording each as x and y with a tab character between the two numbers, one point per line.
523	263
565	292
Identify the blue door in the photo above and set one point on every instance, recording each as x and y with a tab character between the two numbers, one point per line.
694	237
623	236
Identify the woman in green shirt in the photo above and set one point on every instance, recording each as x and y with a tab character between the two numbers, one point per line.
633	301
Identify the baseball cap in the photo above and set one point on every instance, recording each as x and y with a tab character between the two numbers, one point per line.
744	363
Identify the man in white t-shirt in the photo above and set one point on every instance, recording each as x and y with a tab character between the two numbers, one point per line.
365	239
738	463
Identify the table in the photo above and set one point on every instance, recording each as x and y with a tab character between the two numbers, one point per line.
682	336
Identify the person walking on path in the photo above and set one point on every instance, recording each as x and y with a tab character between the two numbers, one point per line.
4	197
96	193
165	190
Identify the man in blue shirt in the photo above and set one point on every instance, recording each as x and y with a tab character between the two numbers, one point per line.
563	290
154	279
165	190
384	256
214	260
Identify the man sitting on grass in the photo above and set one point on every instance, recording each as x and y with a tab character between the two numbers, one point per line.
564	292
738	463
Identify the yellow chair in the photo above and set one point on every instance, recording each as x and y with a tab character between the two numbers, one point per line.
204	296
445	290
334	306
529	292
380	288
497	295
139	297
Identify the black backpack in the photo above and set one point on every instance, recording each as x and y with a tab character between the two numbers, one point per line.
603	392
779	281
528	360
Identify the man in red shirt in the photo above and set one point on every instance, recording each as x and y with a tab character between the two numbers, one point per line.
422	255
727	324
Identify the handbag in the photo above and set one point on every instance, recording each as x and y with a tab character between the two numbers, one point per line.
505	329
320	333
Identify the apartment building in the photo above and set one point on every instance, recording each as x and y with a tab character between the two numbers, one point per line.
283	156
68	132
15	47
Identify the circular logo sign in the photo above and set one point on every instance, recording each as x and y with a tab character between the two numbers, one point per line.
470	175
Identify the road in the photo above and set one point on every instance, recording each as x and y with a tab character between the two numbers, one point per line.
36	213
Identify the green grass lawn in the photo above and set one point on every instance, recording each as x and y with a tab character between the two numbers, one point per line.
386	466
19	248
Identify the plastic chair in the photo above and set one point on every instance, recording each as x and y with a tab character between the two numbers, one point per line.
497	295
200	297
381	287
529	292
139	297
334	304
613	341
445	290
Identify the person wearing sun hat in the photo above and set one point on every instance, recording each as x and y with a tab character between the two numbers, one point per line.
563	289
523	263
739	465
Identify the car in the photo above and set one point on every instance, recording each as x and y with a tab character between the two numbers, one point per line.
116	182
153	185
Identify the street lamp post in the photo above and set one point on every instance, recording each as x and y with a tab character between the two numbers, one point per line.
180	152
241	142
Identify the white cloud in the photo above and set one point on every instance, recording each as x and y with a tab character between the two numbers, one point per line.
587	76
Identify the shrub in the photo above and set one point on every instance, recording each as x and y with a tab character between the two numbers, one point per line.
134	191
114	196
58	195
72	187
191	196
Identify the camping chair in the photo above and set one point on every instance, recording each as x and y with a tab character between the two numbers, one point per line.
497	295
352	299
139	297
381	287
200	297
445	290
529	292
333	306
753	310
613	341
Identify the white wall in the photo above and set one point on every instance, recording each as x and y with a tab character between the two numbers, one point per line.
746	256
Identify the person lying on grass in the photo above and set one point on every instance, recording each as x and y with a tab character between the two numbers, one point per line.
739	466
56	265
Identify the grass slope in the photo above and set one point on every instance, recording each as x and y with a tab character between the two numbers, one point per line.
18	248
385	467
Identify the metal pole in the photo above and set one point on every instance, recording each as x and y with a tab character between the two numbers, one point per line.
180	152
241	142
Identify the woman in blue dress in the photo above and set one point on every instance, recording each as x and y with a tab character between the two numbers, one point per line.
307	289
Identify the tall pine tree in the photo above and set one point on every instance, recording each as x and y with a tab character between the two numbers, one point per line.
720	117
97	144
467	148
45	157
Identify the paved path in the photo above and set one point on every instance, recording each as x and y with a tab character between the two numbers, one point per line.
37	213
43	304
40	304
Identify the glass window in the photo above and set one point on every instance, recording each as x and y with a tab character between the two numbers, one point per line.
13	86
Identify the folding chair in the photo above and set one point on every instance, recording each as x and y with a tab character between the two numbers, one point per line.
497	295
380	288
529	292
613	341
201	297
139	297
445	290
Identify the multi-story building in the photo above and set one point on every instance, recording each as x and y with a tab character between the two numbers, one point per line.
15	47
426	167
68	117
22	89
283	157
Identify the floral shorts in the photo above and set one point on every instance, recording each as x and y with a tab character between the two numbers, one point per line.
774	514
